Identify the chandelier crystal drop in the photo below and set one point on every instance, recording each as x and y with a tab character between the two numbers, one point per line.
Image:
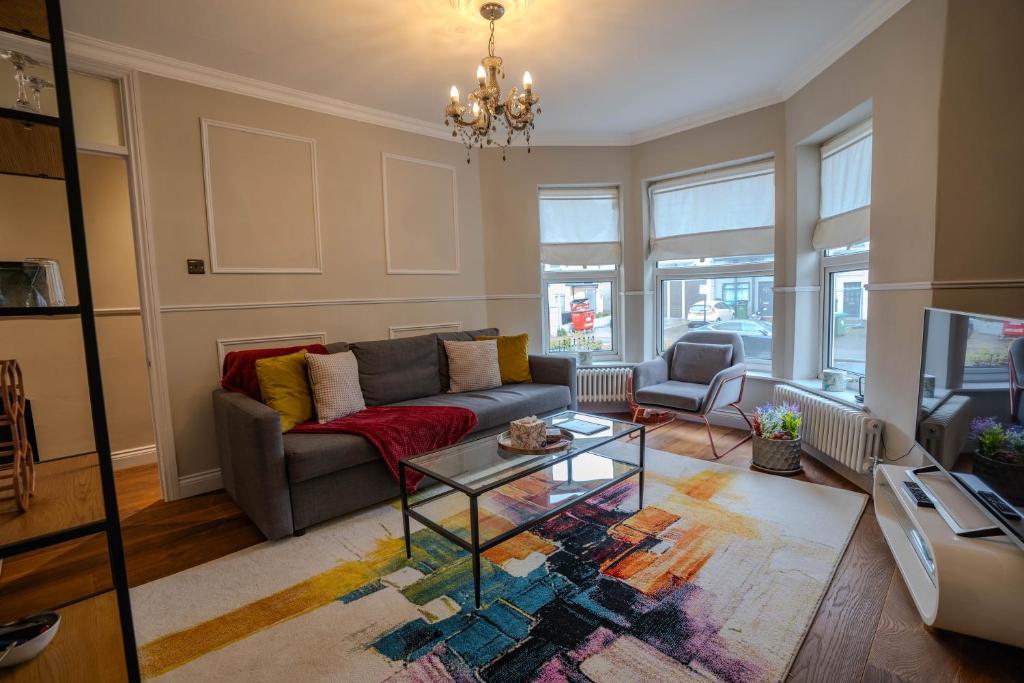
477	121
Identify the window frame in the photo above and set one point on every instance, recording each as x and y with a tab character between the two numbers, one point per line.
582	277
587	275
752	270
831	265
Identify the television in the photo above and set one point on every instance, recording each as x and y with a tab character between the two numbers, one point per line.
971	414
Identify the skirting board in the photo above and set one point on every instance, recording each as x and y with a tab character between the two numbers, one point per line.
134	457
200	482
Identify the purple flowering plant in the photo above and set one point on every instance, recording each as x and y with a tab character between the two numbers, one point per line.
995	441
780	422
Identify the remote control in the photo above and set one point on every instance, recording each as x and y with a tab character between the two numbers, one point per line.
918	494
1000	505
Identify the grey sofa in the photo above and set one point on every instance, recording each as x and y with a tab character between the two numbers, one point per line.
287	482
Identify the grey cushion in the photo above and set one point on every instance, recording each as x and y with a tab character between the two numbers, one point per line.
442	357
337	347
699	363
672	394
314	455
398	369
501	405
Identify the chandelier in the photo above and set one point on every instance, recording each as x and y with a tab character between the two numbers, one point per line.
476	122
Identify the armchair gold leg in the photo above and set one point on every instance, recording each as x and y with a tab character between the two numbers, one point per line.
736	445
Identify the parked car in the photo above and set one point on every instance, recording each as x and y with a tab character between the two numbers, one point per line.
757	336
710	312
1012	330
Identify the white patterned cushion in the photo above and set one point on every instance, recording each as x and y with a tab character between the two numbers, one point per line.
473	365
335	381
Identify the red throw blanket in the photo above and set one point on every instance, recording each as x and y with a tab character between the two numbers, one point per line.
401	432
239	373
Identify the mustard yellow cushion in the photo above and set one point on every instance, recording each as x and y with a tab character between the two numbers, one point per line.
285	387
513	358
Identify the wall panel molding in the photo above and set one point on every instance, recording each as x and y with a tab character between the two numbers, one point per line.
389	240
369	301
237	343
395	331
211	228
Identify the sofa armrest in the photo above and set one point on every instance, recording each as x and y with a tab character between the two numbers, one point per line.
649	373
725	388
252	461
555	370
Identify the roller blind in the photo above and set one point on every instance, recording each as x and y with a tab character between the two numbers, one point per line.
579	226
728	212
845	215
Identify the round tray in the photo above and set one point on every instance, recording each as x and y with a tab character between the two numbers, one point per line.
558	444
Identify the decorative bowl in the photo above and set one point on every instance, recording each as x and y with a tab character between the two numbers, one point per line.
554	445
22	640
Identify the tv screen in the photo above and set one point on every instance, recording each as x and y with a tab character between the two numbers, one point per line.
971	409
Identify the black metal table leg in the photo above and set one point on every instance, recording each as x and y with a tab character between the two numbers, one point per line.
474	523
643	451
405	509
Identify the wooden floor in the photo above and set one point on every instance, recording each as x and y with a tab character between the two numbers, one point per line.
865	630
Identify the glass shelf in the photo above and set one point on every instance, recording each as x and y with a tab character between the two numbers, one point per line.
29	117
37	311
67	504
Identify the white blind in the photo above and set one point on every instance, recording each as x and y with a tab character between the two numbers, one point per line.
579	226
845	215
728	212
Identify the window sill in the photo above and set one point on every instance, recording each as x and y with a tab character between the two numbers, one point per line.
814	386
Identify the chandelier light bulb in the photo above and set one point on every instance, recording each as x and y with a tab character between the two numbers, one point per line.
527	81
476	109
481	75
454	95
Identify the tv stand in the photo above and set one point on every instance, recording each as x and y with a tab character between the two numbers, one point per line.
964	582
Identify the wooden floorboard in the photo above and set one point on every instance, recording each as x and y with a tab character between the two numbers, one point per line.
866	628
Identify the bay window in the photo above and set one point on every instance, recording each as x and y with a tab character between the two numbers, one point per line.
713	238
581	251
842	234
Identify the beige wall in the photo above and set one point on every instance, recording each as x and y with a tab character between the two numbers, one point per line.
199	310
34	222
980	224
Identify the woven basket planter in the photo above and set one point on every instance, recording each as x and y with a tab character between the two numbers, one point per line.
1006	478
776	456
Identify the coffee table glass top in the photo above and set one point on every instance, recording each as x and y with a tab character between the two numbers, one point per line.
480	465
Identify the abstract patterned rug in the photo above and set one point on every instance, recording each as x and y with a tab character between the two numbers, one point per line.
717	578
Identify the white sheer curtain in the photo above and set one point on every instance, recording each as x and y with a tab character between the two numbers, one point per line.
845	216
728	212
579	226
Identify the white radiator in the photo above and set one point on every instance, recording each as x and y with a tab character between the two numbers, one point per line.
849	435
602	384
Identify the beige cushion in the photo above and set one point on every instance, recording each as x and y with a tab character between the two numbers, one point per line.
473	365
335	381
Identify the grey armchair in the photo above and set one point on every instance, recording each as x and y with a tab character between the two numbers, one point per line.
703	379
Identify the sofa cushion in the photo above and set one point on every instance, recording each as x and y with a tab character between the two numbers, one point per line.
397	369
473	365
442	357
284	386
699	363
513	357
672	394
313	455
337	347
499	406
334	378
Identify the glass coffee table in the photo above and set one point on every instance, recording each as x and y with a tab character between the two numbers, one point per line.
531	488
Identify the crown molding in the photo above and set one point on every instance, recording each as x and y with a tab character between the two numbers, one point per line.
706	117
96	50
876	14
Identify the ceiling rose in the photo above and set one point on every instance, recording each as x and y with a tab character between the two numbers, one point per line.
476	122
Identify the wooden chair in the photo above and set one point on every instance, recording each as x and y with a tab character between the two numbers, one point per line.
19	476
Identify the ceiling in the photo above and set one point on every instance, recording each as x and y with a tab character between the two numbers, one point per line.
610	71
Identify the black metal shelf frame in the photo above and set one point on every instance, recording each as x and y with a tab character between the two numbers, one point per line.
37	311
110	524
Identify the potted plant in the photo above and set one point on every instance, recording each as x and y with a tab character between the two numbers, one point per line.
776	436
999	457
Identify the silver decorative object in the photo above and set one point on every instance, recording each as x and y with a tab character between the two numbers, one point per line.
38	84
19	61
